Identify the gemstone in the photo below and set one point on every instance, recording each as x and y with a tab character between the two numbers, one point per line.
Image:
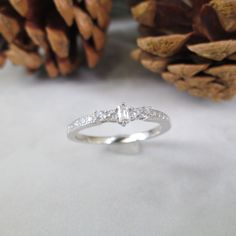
123	114
111	115
71	126
101	116
144	113
82	120
90	119
133	113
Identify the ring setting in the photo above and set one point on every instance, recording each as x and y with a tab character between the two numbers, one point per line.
121	115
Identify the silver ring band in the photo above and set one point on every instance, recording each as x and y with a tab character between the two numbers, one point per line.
121	115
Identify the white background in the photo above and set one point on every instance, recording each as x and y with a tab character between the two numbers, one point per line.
183	183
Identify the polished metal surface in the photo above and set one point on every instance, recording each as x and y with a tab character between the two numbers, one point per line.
121	115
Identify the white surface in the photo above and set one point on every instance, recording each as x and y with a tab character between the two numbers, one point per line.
182	184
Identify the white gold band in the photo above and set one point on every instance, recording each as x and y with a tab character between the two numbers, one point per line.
121	115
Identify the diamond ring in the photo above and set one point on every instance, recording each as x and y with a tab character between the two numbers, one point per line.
122	115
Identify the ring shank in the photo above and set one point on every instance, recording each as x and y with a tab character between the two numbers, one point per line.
162	127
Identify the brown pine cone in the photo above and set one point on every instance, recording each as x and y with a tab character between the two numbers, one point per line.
35	33
191	43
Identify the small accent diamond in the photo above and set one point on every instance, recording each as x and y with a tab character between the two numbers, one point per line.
133	112
83	121
89	119
112	115
101	116
143	113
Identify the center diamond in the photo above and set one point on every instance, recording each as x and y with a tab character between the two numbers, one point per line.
123	114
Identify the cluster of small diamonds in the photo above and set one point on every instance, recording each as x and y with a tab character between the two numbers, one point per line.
96	118
81	122
140	113
146	113
106	116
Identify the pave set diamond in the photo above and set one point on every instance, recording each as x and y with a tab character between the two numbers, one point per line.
122	115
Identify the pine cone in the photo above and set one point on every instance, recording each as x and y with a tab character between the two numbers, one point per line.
34	33
191	43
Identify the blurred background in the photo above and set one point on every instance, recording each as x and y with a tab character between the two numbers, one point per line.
180	184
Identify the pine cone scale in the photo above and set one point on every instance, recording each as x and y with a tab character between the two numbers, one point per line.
21	6
49	30
163	46
198	44
226	13
65	8
217	51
